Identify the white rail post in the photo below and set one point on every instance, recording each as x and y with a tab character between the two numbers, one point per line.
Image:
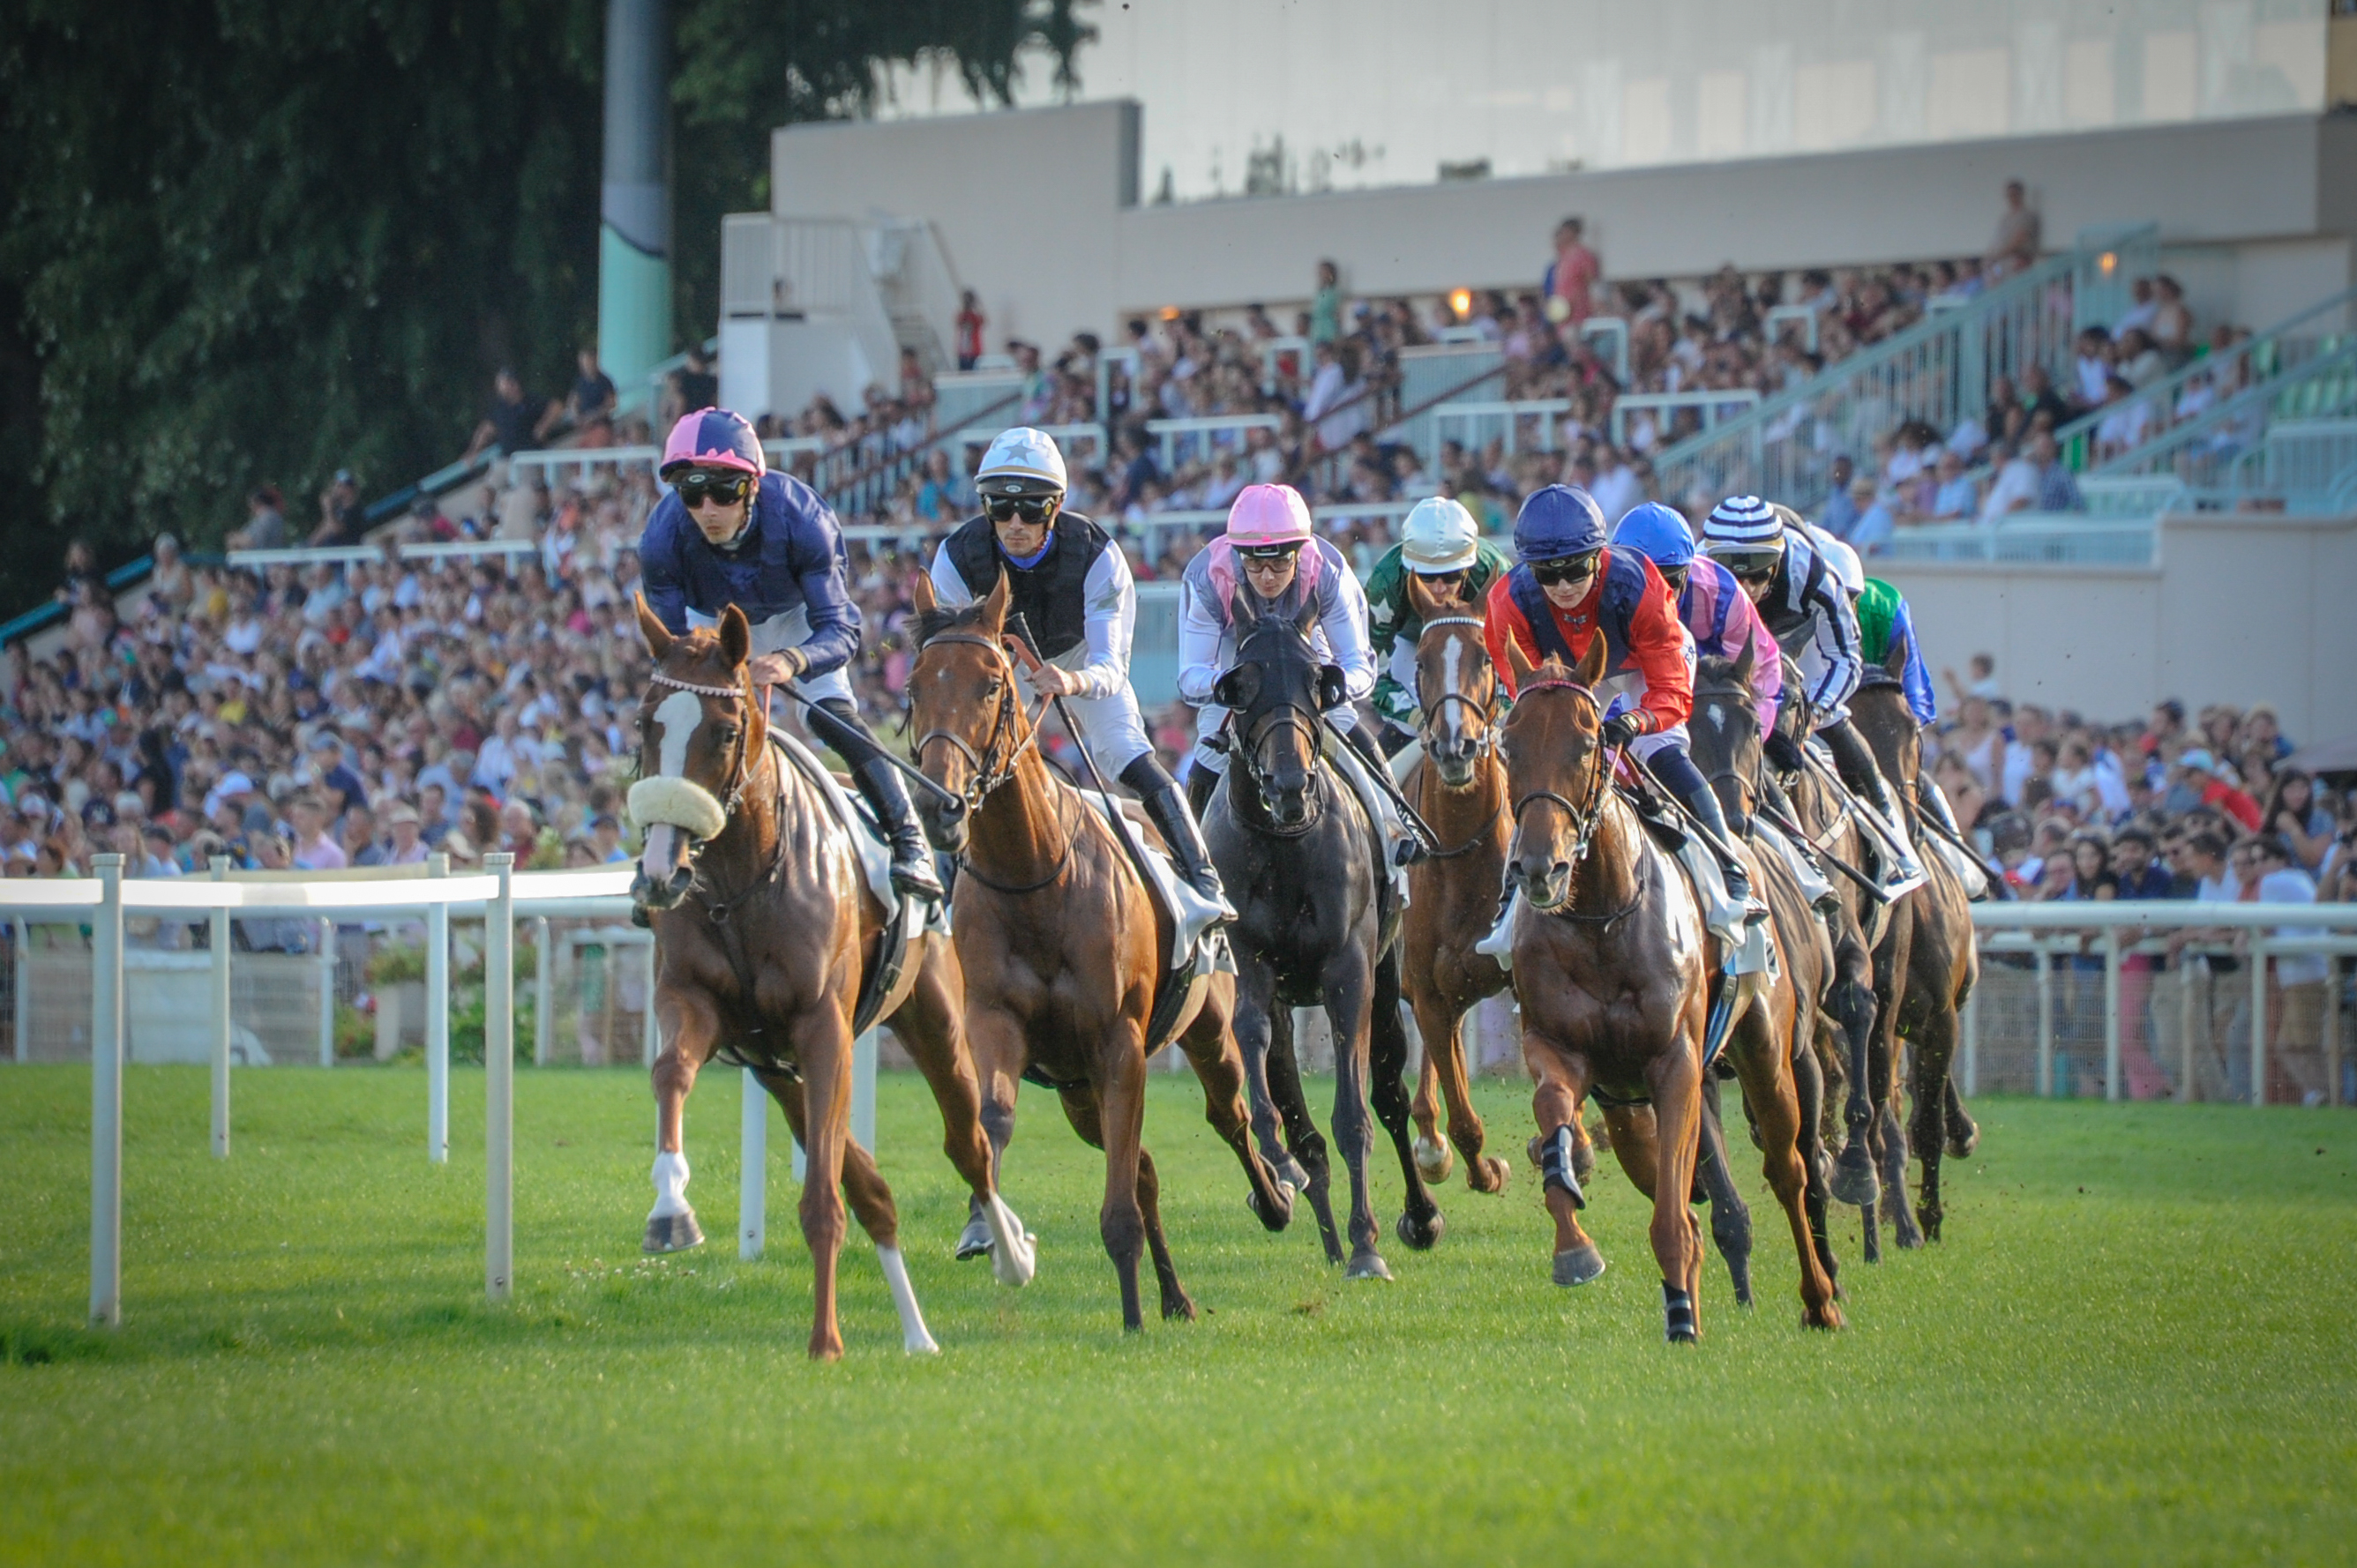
224	1027
753	1181
438	1020
2111	1013
326	965
106	1096
2185	1002
2045	1022
2333	1030
498	1081
24	963
649	1032
1973	1042
543	993
2258	1018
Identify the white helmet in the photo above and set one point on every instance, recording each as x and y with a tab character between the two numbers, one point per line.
1021	462
1841	558
1439	536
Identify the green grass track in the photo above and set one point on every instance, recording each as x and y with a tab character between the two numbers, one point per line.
2138	1343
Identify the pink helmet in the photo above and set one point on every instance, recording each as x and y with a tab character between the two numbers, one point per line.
1268	514
714	438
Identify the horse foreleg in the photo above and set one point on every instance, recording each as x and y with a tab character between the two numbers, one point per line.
1676	1082
1420	1223
1175	1302
1434	1157
1762	1063
1211	1046
1931	1049
690	1027
996	1037
1350	1008
1809	1089
932	1026
871	1201
1730	1217
1441	1018
1301	1132
1562	1080
1254	1023
823	1045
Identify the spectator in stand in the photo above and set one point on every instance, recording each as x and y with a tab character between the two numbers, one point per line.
1570	281
2296	999
1875	523
341	521
2293	814
406	841
692	386
1326	305
2173	324
2014	245
1955	495
266	526
2057	491
1839	516
2038	397
314	850
510	421
592	397
970	323
2199	771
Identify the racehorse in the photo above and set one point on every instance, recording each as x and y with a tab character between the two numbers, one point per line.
1931	964
1459	789
1608	955
764	929
1063	948
1304	864
1727	737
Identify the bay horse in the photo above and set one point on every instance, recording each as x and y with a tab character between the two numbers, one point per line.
1609	964
764	925
1317	924
1062	946
1459	787
1931	965
1726	740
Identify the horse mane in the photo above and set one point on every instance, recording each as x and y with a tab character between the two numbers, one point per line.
932	623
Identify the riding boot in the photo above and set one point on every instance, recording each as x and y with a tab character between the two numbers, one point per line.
1409	850
1856	765
1824	897
1158	793
1201	784
1954	846
879	783
1677	773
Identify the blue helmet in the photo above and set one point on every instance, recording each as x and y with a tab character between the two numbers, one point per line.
1659	533
1558	521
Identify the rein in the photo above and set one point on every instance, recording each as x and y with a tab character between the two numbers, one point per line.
1585	820
1285	716
988	776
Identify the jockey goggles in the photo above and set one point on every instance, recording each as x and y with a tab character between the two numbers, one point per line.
1282	551
695	489
1031	509
1561	569
1749	565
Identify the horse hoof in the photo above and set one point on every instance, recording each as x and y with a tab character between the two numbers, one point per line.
1434	1158
1367	1265
1014	1264
1962	1142
1682	1337
1420	1237
1178	1309
1579	1266
1272	1219
974	1241
1289	1170
673	1232
1855	1183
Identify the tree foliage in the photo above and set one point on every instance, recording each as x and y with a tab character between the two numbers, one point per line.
251	240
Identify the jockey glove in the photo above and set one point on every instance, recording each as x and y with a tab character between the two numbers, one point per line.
1622	728
1783	751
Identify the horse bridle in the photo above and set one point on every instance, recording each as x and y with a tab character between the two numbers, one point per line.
740	766
1731	774
1488	743
987	775
1585	820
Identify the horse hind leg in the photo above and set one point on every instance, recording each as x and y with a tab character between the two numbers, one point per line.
1176	1305
1932	1049
1420	1223
1809	1089
1853	1174
870	1197
1211	1046
1347	1007
1964	1134
1730	1217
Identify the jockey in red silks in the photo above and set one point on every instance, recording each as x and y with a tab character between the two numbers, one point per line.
1568	590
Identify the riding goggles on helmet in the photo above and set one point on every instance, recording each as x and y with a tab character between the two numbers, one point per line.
1562	569
1032	509
1750	566
695	489
1283	550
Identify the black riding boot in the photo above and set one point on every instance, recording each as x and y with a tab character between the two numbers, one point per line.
1855	763
879	782
1411	849
1158	793
1201	784
1934	799
1678	774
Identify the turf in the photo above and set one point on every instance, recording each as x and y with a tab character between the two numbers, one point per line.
2136	1344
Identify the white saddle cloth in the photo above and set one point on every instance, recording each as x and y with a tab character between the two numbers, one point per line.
867	838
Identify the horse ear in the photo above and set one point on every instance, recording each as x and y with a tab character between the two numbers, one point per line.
658	636
1224	689
1591	663
1743	668
920	594
1518	663
1243	612
1894	661
736	637
994	606
1421	598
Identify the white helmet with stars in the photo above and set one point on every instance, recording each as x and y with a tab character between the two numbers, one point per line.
1021	462
1439	536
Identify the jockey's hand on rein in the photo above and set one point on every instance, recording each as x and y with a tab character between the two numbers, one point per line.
1622	728
777	668
1783	751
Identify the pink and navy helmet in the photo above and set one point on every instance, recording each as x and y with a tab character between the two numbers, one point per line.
714	438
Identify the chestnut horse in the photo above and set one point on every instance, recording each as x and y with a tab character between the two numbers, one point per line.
1610	954
1459	789
1317	924
764	925
1927	969
1064	947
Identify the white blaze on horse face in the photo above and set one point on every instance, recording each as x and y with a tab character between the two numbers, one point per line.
1452	660
662	851
676	719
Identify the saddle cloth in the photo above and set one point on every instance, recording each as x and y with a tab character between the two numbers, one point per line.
1377	804
867	838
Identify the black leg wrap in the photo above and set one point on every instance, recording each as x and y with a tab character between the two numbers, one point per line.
1678	1321
1555	1165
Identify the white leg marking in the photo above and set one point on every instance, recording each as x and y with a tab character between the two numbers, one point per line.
914	1337
1014	1257
670	1185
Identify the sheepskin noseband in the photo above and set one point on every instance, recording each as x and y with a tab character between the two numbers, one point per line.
682	802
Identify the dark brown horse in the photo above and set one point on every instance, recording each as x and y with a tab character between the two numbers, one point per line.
764	926
1609	955
1459	789
1926	970
1064	947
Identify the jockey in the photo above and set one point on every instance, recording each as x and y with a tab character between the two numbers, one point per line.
1268	552
1720	618
732	532
1785	573
1439	542
1882	617
1569	589
1071	583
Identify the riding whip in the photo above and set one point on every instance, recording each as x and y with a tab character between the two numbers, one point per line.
948	797
1793	831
